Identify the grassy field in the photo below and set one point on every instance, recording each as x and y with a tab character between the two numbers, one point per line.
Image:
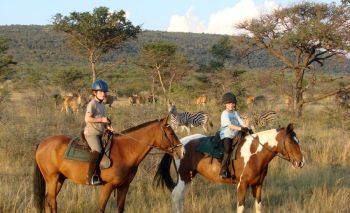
323	185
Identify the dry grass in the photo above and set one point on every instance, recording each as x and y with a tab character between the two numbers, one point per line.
323	185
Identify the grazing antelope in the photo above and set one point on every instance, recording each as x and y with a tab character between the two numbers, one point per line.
140	99
150	99
131	99
343	99
136	99
71	102
201	100
288	100
250	100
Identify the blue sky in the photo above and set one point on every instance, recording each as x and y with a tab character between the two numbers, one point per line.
209	16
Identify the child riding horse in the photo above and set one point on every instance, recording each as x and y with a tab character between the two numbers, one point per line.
252	158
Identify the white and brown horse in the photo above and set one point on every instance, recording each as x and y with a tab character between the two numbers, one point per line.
253	156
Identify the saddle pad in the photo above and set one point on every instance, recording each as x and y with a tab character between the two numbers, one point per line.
76	153
80	153
207	146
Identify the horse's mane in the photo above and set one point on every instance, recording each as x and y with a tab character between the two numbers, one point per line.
267	131
140	126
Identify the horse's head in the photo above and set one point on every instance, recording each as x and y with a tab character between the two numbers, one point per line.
289	146
169	141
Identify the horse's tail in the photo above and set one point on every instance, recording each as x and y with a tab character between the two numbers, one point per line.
163	176
39	187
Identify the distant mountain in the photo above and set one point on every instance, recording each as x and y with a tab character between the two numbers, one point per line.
34	44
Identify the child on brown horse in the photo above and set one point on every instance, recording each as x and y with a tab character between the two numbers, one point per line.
231	123
96	122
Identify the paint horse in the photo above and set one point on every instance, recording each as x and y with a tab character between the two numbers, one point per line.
252	158
128	150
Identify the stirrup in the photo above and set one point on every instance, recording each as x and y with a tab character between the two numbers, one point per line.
225	174
95	180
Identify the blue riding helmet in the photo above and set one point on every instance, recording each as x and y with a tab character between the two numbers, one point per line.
100	85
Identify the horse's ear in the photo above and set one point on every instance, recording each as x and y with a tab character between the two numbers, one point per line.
290	127
170	106
166	119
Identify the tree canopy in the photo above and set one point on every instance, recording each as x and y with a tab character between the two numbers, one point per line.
94	34
161	61
300	36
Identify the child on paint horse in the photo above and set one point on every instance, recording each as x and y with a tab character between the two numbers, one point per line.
231	123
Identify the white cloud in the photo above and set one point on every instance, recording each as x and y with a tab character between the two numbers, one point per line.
222	21
186	23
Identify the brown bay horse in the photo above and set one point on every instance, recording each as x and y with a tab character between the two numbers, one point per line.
253	155
128	150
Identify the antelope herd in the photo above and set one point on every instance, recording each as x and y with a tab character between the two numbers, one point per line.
256	116
141	99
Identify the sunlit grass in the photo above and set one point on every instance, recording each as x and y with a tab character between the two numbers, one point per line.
323	185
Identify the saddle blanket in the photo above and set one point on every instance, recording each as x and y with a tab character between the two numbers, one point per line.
210	147
78	151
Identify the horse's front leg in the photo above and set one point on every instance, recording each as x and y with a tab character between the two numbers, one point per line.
188	129
121	196
256	190
105	193
241	191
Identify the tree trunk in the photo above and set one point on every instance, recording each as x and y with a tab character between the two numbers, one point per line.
93	66
153	95
298	100
161	83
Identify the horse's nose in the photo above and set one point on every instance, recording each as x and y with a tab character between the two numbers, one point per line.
180	152
302	163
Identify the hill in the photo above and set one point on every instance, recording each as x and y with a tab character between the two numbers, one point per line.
34	44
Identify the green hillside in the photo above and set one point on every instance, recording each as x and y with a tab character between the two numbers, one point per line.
33	44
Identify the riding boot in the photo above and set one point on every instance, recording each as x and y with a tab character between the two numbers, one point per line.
92	177
224	166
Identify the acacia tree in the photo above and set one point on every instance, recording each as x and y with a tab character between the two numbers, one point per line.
300	36
163	64
221	51
223	75
92	35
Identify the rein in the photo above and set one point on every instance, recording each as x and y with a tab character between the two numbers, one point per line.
169	151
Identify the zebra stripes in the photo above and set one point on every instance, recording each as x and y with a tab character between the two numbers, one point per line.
260	119
188	119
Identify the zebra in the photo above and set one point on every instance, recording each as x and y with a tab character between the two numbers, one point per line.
186	120
259	119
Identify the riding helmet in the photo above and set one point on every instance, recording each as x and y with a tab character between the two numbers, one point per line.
100	85
229	97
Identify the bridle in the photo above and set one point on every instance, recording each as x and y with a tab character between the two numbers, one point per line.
170	150
173	146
